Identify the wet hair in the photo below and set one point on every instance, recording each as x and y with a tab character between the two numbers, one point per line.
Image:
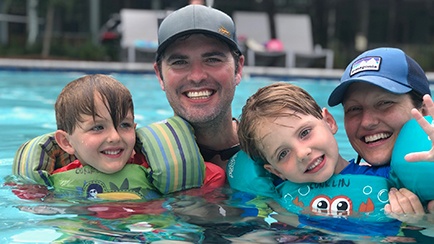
78	98
235	53
280	99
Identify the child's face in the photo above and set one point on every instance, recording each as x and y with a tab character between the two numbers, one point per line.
300	149
99	144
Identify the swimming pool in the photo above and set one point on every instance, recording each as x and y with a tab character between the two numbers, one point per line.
26	110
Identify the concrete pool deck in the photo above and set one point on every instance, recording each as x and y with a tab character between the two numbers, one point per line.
147	68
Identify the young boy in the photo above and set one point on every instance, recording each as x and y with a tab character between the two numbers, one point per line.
283	127
95	123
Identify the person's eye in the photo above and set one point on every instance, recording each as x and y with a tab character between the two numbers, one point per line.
353	109
126	125
97	128
282	155
305	133
385	103
178	62
213	60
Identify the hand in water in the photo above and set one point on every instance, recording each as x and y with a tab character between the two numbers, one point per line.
403	201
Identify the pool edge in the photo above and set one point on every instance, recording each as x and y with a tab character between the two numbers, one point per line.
147	68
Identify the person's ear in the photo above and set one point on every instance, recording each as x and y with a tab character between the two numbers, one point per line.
272	170
239	70
159	76
331	122
62	139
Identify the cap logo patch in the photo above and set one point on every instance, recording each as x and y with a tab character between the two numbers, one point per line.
365	64
223	31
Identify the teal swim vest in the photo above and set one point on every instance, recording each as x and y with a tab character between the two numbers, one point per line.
343	194
340	196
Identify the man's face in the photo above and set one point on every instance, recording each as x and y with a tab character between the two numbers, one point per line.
199	77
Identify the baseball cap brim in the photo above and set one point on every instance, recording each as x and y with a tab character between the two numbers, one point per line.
338	93
167	42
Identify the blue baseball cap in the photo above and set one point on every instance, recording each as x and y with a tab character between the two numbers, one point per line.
388	68
196	19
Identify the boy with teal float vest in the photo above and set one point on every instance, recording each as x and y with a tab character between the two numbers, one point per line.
284	131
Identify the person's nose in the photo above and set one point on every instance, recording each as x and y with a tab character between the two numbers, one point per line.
303	153
113	135
369	119
197	72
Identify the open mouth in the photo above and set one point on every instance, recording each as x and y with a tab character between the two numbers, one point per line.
315	164
112	152
199	94
377	137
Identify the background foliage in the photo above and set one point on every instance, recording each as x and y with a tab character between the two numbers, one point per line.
337	24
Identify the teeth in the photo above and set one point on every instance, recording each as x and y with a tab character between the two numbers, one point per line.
377	137
318	161
112	152
199	94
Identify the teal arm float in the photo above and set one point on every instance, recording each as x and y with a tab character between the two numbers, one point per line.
417	177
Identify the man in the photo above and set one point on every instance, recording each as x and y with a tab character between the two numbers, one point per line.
199	65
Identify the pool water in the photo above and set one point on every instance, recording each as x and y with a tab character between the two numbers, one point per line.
224	216
27	103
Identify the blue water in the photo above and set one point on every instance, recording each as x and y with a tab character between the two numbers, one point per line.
27	103
26	110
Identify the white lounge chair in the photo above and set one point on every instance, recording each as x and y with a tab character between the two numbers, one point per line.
295	32
139	31
254	27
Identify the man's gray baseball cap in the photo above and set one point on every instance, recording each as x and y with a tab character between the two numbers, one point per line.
196	19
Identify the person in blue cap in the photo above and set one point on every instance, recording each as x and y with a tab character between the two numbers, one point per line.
199	65
378	91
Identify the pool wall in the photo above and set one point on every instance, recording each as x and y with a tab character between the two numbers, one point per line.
278	73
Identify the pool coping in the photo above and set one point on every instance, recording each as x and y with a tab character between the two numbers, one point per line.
147	68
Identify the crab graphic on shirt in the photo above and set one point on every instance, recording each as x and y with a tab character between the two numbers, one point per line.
340	196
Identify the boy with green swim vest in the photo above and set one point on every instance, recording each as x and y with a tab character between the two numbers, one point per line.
95	123
95	119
